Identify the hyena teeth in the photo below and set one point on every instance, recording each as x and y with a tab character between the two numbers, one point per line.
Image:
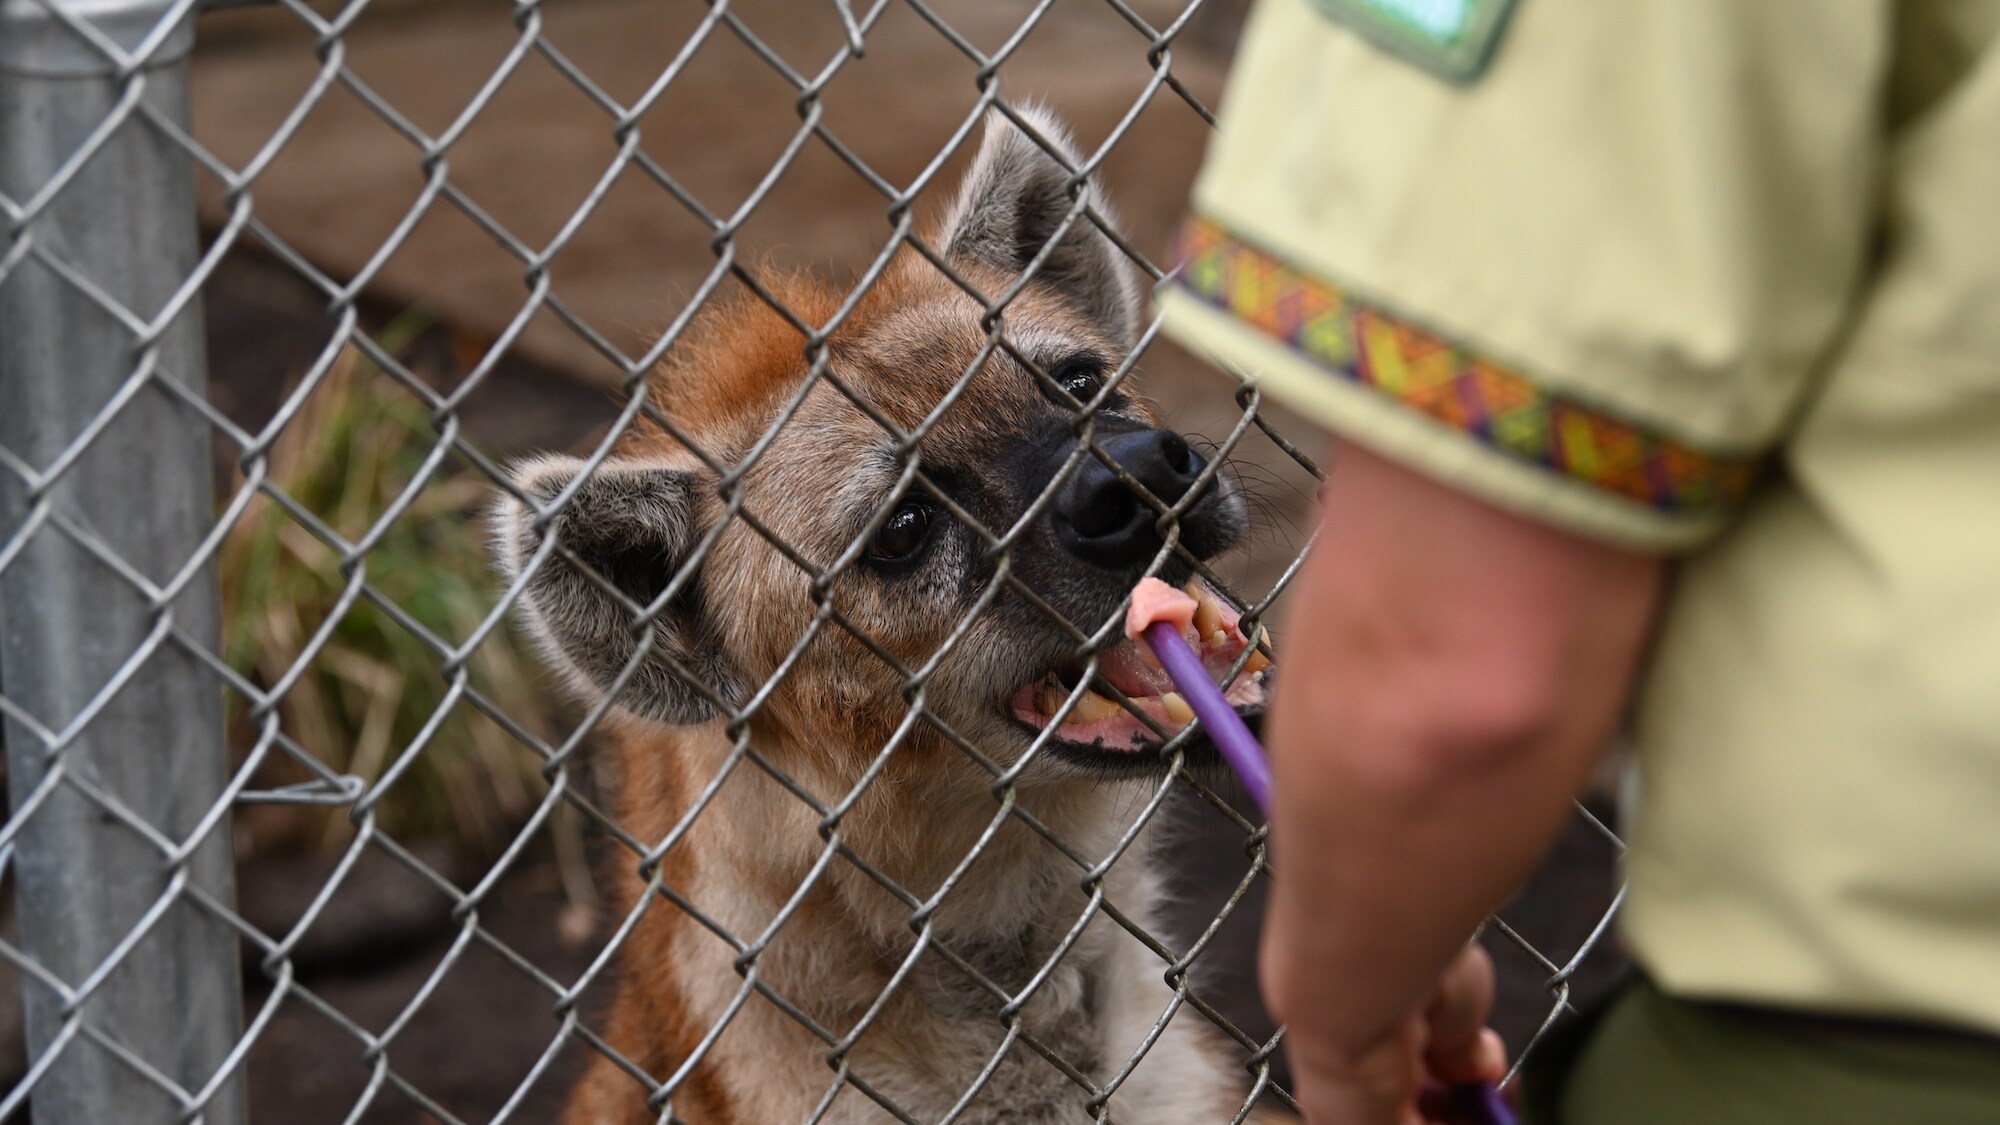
1207	613
1094	708
1049	700
1177	708
1258	661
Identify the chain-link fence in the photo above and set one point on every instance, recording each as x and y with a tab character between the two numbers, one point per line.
775	757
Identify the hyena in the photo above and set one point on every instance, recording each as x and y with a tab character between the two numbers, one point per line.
848	955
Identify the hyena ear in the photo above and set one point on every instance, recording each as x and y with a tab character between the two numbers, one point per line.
1014	199
632	524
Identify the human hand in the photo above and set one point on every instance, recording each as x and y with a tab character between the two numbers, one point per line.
1405	1077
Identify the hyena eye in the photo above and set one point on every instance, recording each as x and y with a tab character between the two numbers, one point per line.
1081	376
903	533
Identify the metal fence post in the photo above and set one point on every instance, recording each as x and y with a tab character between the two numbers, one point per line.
123	722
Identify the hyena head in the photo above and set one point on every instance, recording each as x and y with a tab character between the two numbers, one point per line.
977	552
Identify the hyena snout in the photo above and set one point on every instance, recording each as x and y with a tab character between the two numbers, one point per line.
1102	521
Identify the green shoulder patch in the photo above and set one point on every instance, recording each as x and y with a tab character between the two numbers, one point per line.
1453	39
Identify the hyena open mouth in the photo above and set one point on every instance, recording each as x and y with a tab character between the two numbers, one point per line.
1100	723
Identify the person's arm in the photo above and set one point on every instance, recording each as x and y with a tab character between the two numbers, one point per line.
1590	287
1451	672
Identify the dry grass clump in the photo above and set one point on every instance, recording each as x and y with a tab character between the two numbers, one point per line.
371	695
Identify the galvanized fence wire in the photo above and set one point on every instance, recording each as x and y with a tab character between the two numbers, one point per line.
68	728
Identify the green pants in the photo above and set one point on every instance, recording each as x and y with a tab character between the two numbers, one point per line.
1648	1059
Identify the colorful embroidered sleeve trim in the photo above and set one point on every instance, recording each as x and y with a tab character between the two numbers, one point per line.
1462	390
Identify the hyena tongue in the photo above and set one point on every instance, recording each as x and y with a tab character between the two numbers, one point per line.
1127	670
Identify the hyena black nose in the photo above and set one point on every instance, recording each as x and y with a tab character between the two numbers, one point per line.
1100	520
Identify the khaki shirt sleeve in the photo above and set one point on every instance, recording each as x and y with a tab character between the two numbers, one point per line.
1592	286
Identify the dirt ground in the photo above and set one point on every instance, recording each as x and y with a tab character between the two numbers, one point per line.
540	161
530	156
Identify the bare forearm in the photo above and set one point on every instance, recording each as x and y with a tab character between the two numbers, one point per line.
1383	873
1459	672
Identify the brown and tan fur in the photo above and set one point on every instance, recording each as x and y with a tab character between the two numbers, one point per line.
756	851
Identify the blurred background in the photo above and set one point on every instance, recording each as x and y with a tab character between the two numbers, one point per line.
448	201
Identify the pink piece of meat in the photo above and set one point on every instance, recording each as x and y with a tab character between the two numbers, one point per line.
1154	600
